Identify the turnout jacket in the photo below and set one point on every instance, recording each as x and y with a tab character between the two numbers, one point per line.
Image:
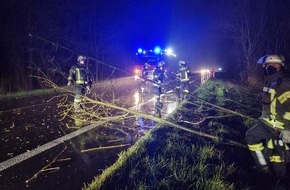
158	75
80	75
276	101
183	74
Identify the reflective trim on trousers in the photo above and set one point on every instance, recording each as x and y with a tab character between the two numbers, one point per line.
261	158
276	158
256	147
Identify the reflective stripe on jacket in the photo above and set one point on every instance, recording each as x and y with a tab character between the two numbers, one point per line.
183	73
276	102
79	75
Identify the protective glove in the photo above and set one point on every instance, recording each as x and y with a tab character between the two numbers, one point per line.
69	83
285	136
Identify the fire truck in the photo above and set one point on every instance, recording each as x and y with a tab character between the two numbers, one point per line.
151	58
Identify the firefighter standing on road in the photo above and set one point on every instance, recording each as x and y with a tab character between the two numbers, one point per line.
79	77
274	124
183	74
158	77
145	72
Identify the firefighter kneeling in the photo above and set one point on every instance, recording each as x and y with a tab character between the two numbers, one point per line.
268	139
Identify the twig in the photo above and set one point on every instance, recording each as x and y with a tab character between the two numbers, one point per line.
45	168
104	148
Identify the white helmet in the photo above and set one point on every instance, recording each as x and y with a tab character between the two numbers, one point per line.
160	64
81	58
146	65
181	62
272	58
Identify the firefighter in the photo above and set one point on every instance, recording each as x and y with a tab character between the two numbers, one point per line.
212	73
183	75
79	77
158	77
267	140
145	72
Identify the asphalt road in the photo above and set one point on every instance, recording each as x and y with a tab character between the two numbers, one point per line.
42	149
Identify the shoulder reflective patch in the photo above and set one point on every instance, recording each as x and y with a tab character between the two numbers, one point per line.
283	97
286	116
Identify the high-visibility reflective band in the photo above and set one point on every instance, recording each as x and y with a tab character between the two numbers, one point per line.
261	158
276	159
78	77
274	123
283	97
273	105
269	90
256	147
77	100
286	115
80	82
78	73
184	80
270	144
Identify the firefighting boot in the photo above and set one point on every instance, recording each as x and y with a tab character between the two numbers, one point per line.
277	160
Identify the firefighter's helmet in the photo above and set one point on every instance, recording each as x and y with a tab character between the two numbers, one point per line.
182	63
146	65
160	64
81	58
272	59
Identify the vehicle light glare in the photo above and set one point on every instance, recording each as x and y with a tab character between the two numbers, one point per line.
169	51
157	50
203	71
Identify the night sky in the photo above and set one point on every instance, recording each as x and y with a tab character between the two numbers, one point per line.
203	32
181	24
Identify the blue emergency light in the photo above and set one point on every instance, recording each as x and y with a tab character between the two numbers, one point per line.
157	50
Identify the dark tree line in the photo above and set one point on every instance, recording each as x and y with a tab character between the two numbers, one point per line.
256	28
45	37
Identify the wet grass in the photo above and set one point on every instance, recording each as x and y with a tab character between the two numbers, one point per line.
166	159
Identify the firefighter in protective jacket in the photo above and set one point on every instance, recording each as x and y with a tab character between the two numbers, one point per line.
79	76
183	75
145	72
158	78
268	140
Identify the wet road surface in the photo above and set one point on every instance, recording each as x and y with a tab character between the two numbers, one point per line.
29	123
